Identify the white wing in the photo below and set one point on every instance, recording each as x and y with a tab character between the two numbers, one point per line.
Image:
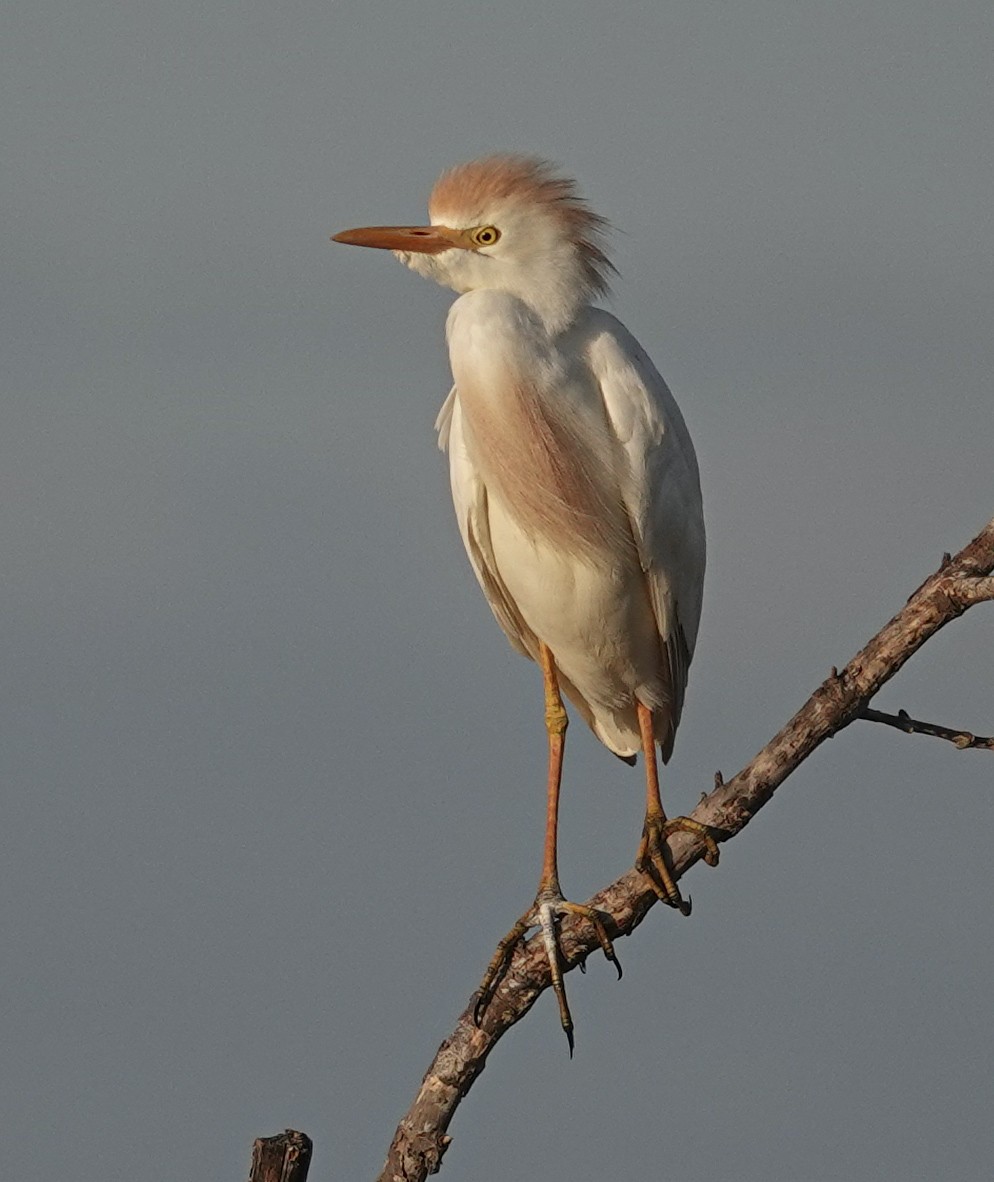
662	492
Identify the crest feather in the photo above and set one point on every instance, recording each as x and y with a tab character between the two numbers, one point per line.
474	187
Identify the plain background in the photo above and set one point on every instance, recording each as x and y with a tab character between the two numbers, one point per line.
272	778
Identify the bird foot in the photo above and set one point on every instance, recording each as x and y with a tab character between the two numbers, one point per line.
548	906
652	855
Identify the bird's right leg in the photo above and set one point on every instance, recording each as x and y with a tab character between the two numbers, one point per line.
549	902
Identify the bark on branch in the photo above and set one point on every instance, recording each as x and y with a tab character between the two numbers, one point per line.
961	582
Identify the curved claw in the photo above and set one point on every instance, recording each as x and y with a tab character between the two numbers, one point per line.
675	900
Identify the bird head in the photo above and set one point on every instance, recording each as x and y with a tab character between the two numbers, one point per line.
505	223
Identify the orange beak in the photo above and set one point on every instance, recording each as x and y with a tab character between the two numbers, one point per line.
421	239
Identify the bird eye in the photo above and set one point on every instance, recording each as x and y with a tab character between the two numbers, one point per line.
485	236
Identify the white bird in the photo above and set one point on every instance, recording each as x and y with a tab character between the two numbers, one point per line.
575	485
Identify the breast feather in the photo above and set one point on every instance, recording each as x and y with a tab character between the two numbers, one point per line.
540	437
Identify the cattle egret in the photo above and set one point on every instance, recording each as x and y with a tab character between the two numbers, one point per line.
575	486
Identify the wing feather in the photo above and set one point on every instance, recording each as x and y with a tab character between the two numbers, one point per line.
661	491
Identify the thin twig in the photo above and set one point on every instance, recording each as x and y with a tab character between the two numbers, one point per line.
421	1138
903	721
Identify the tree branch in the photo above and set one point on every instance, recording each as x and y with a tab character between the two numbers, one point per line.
961	582
903	721
283	1158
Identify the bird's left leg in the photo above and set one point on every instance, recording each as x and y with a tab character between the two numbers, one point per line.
549	902
651	859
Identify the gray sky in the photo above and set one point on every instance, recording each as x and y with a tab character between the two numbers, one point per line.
273	779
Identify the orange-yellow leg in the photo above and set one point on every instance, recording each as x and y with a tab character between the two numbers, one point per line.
549	902
651	858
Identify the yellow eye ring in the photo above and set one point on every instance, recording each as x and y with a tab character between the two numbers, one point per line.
485	235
